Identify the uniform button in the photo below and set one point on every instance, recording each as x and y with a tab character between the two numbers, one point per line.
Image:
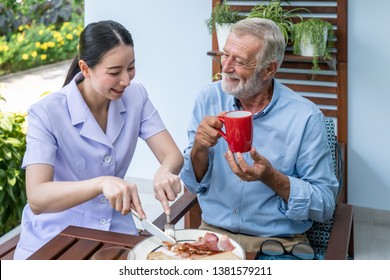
235	211
103	199
102	221
107	159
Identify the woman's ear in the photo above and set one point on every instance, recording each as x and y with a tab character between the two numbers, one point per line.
84	68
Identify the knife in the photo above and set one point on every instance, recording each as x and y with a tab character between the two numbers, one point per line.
152	229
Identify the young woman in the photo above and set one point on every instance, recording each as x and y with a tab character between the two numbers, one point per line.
81	140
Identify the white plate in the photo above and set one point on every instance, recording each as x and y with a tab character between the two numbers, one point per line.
153	244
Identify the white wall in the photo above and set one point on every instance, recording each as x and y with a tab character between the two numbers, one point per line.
368	101
171	45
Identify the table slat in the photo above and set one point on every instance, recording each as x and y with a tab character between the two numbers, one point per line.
102	236
82	249
54	248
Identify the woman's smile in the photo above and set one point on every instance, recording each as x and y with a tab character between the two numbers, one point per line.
118	91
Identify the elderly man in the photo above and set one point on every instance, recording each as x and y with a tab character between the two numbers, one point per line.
286	181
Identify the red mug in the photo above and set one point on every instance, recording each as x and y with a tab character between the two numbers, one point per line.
238	130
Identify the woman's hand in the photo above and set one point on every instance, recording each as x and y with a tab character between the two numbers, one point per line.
122	195
166	187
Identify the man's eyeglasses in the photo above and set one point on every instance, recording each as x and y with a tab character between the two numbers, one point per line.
275	249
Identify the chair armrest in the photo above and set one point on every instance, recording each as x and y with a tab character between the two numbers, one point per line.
178	209
340	245
341	159
7	249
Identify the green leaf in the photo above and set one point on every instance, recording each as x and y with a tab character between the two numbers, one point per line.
6	124
8	155
12	181
13	141
11	194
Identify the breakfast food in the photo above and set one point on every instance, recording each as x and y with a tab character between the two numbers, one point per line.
228	255
207	247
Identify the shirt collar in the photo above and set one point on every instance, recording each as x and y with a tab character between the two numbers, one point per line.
275	96
81	114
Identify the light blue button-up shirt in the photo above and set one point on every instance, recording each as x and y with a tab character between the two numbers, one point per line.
62	132
290	132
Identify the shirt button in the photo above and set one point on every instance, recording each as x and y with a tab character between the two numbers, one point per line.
107	159
103	199
102	221
235	211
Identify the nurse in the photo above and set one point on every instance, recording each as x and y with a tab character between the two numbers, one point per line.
81	140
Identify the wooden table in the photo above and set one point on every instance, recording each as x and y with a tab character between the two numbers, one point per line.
77	243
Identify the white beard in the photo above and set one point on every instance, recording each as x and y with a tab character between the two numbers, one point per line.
243	90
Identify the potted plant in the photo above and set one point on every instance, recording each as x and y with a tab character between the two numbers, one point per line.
273	10
313	37
222	17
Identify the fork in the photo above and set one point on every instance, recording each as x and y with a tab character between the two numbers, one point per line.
169	228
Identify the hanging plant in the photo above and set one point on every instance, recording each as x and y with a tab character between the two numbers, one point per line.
222	17
318	34
222	14
282	17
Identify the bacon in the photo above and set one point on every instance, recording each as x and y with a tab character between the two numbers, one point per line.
209	244
225	244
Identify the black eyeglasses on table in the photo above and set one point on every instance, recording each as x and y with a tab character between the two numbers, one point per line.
273	249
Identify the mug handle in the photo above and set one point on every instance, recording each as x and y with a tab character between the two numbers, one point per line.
222	119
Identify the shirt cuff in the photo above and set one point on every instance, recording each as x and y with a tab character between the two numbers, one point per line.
297	207
187	175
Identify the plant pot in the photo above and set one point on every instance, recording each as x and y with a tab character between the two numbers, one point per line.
307	48
223	31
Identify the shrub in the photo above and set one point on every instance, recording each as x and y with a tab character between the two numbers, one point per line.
56	12
12	178
38	32
38	45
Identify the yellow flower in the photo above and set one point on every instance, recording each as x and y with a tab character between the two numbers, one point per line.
34	54
20	38
20	28
37	44
40	32
25	56
51	44
27	26
4	48
69	36
44	46
43	56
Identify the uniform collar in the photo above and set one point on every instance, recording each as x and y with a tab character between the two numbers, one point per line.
82	117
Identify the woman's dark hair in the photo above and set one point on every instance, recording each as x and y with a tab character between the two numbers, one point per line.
97	39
